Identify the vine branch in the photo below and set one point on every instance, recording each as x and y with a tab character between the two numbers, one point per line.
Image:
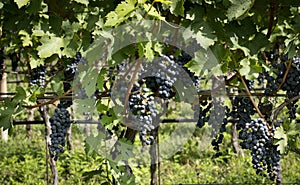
250	96
285	75
271	18
47	102
280	107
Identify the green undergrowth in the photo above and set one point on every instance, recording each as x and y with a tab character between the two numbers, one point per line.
23	161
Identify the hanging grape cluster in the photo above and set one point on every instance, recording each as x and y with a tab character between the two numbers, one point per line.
60	122
289	82
150	95
38	76
258	138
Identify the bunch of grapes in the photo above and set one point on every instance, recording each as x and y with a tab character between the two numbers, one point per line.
69	73
183	59
72	68
38	76
242	109
291	83
257	137
60	123
217	118
142	106
158	83
203	110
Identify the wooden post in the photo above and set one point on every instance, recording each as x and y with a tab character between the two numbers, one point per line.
235	141
3	89
46	117
28	126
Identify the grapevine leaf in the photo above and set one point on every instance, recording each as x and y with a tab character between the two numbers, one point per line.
148	51
50	46
106	120
101	107
203	40
38	91
245	63
89	81
153	12
57	85
35	60
25	37
259	41
20	94
21	3
35	7
196	66
238	8
283	139
120	13
112	19
6	119
236	45
85	2
164	2
6	113
84	105
177	8
93	142
101	79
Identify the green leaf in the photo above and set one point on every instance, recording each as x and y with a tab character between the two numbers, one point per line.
35	60
120	13
177	8
149	54
101	79
25	37
37	91
153	12
245	63
6	113
57	84
238	8
89	81
50	45
203	40
85	2
196	66
6	119
84	105
35	6
21	3
283	139
164	2
234	40
20	95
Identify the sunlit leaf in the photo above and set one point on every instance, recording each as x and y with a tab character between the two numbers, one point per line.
238	8
50	46
21	3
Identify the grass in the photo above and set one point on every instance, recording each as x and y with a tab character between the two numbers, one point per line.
23	162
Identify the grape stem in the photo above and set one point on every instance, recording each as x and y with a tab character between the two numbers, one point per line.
285	75
251	98
280	107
